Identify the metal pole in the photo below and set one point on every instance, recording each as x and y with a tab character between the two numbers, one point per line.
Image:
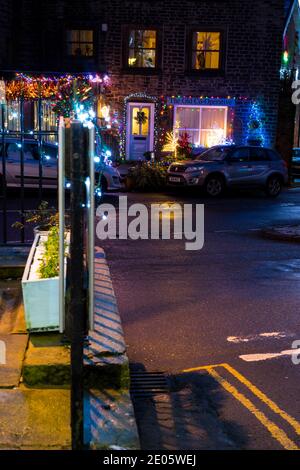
61	212
4	206
22	171
91	225
76	278
40	152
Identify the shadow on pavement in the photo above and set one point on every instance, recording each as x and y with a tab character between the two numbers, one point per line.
188	416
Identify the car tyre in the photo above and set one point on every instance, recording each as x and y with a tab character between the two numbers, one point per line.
214	186
274	186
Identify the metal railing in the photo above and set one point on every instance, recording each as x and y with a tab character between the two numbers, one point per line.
15	183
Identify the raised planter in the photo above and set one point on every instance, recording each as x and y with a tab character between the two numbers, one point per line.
40	296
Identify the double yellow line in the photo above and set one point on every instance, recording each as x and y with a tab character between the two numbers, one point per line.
275	431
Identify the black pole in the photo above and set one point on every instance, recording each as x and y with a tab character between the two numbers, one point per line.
77	306
3	182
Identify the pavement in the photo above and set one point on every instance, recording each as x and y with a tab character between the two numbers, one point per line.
219	323
35	377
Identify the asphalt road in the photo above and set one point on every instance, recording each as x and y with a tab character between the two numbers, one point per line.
227	312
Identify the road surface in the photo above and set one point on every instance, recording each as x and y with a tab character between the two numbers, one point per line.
227	314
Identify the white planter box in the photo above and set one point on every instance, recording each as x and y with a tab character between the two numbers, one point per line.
40	296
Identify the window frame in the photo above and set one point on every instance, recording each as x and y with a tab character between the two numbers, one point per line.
80	57
200	129
189	52
125	50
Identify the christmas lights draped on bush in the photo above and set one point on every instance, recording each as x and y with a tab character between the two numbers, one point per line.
255	132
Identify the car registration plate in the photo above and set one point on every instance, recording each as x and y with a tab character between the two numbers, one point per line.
174	179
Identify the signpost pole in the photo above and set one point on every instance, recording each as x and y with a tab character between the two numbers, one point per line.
91	225
77	305
61	212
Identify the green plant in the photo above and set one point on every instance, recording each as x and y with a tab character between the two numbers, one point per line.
44	217
148	176
49	266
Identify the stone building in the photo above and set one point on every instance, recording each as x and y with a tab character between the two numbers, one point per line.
209	68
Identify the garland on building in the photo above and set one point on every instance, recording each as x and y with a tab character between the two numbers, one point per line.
66	91
143	97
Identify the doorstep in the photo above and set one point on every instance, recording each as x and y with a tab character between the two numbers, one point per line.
12	261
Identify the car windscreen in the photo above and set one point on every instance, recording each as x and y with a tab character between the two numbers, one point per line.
214	154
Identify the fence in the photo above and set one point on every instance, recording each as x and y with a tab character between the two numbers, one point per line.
28	165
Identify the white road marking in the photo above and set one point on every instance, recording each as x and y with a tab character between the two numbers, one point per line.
265	356
246	339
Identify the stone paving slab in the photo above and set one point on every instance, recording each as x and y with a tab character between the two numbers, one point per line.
35	419
14	347
109	420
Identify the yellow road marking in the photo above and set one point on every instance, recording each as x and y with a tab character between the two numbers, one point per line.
276	432
273	429
275	408
196	369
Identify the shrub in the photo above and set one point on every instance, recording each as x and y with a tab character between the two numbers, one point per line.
49	266
148	176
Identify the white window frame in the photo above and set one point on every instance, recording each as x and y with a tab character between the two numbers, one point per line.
199	129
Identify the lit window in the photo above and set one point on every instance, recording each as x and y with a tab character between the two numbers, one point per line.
205	125
140	121
142	48
206	50
80	43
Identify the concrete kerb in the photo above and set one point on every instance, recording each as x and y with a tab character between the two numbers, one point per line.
107	380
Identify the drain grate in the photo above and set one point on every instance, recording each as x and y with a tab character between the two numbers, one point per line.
146	384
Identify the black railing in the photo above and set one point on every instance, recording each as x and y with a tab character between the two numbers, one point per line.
28	174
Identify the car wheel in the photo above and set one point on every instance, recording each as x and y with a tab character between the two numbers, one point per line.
274	186
214	185
104	184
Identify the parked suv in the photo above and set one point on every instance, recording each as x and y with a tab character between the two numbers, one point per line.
11	152
231	166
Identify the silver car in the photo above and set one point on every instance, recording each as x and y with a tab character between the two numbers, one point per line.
231	166
11	152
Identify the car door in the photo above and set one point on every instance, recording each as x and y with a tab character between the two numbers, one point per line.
31	165
238	167
261	163
49	162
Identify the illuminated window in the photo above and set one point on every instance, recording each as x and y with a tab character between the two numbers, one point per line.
80	43
205	125
11	116
142	45
206	49
140	121
48	119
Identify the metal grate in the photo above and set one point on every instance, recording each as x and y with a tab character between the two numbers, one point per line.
146	384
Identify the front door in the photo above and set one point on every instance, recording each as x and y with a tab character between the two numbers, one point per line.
140	124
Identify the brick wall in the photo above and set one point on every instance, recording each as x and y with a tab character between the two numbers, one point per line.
253	46
5	33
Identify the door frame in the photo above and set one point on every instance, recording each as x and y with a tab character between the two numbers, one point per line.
131	104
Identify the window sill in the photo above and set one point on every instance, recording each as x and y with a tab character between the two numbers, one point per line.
141	71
